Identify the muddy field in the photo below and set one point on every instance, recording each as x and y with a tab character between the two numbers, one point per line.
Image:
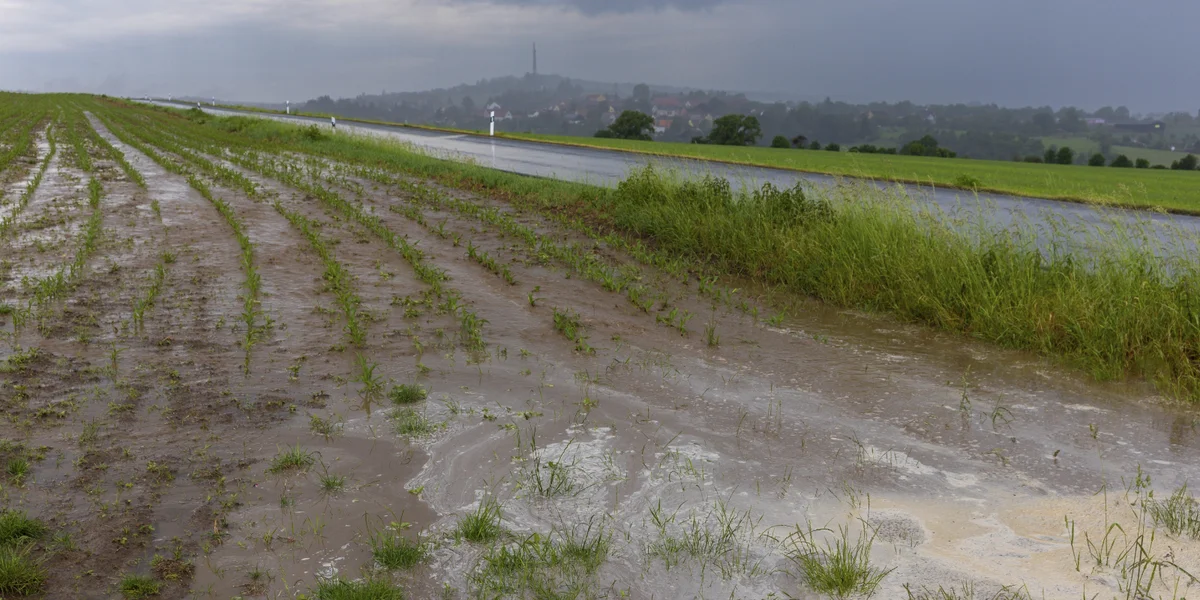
280	376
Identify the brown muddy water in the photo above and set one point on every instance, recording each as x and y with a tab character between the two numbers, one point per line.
699	464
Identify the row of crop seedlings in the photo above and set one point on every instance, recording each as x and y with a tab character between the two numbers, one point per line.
615	279
583	262
10	219
574	256
255	322
578	259
471	325
335	174
20	137
238	151
158	276
338	280
55	286
117	156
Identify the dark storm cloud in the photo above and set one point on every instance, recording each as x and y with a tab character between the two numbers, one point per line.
595	7
1013	52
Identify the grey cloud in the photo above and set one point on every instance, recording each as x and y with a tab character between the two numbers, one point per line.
597	7
1016	53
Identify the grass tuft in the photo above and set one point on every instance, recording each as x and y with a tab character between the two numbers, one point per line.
370	589
393	551
1179	514
134	587
481	526
20	573
840	568
294	458
967	591
332	484
407	393
411	423
16	527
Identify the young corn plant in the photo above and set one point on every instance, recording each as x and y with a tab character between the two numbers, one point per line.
567	323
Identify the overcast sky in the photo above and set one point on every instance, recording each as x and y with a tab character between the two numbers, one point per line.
1013	52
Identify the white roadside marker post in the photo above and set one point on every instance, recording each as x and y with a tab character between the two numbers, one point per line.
492	124
214	101
289	107
333	120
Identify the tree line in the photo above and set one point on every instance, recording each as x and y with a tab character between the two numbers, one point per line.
746	130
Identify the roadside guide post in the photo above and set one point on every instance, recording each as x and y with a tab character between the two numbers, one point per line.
289	107
333	120
492	124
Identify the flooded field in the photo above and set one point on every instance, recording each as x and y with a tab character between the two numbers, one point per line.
279	376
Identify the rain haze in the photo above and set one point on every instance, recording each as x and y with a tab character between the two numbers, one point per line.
1014	53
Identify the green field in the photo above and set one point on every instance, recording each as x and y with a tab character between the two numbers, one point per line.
1172	191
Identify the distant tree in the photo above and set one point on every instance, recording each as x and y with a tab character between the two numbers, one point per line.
1044	123
1051	155
632	125
641	98
834	148
1121	162
605	133
800	141
780	142
815	145
1161	167
1187	163
1033	158
641	92
468	105
926	146
1097	160
1070	119
735	130
1066	156
1142	163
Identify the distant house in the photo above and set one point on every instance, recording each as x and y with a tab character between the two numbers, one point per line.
1094	122
663	124
1155	127
667	106
493	106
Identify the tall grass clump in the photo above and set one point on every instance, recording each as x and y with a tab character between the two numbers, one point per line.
21	572
838	568
1103	298
369	589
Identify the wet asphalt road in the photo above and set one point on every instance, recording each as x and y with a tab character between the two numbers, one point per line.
607	167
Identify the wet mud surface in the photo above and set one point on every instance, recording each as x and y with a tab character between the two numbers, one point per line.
703	443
